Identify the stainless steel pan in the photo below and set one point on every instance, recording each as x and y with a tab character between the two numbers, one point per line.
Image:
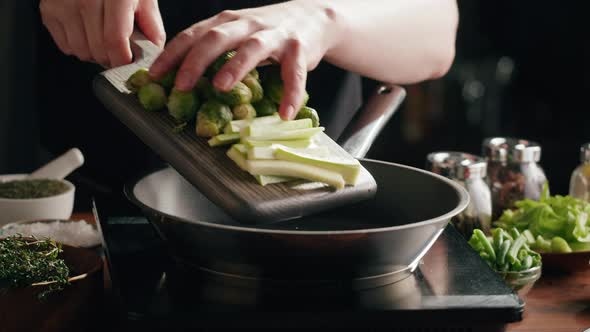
367	244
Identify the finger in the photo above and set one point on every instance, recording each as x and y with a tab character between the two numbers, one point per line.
92	15
150	22
58	33
182	43
254	50
294	75
214	42
76	34
118	26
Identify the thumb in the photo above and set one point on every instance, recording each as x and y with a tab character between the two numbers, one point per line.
149	20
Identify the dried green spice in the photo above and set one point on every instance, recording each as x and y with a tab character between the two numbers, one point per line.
34	188
32	262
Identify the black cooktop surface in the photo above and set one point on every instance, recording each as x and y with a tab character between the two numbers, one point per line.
452	290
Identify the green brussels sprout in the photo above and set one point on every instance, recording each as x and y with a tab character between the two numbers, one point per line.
218	63
152	97
204	88
182	105
254	73
309	113
212	117
244	111
239	94
168	80
138	79
265	107
254	85
273	86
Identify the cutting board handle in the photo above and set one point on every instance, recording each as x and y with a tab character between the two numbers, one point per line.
363	129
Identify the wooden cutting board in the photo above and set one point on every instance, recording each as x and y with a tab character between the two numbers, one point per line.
209	169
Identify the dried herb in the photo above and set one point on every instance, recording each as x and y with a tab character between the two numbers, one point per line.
32	262
34	188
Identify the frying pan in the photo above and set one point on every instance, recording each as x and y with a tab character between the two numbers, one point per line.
367	244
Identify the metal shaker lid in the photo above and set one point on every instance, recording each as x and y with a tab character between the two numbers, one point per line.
511	149
456	165
585	153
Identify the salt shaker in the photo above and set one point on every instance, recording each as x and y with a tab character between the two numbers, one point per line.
469	171
514	172
580	180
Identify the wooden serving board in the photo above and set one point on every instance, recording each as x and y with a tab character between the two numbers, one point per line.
217	176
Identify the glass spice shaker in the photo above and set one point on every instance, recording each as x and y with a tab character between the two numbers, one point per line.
514	172
469	171
580	180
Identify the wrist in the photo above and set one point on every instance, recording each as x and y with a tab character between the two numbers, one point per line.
331	20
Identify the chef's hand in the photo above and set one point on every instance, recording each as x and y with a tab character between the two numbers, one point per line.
296	34
99	30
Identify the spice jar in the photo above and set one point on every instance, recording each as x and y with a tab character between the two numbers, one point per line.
580	180
514	172
469	171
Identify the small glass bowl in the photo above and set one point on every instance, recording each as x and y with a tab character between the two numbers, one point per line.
521	281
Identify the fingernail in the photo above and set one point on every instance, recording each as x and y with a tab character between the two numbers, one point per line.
290	112
223	81
184	81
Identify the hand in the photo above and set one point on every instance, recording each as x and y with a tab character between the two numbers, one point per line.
297	34
99	30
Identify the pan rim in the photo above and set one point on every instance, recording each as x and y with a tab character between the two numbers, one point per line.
464	200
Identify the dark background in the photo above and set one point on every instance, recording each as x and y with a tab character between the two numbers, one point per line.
520	70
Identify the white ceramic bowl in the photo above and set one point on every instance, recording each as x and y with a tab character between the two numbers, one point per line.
53	207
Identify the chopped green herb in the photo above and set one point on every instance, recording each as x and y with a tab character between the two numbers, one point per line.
29	262
34	188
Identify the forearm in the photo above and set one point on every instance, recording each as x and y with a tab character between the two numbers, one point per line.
396	41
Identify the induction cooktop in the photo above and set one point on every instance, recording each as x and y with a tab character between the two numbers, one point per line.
452	289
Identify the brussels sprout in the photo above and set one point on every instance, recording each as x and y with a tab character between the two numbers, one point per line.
182	105
152	97
218	63
239	94
254	85
212	118
265	107
273	86
244	111
254	73
309	113
138	79
168	80
204	88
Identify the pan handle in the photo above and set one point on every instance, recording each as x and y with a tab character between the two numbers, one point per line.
366	125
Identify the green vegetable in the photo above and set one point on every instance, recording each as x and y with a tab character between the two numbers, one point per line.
303	143
274	87
218	63
265	107
349	169
309	113
30	262
559	245
167	81
296	134
502	253
244	111
236	125
295	170
239	94
254	73
255	130
33	188
224	139
204	88
255	87
211	118
552	216
138	79
264	180
182	105
152	97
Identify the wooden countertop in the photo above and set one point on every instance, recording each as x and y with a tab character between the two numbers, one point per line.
557	302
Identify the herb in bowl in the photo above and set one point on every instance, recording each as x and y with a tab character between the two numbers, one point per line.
32	262
33	188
